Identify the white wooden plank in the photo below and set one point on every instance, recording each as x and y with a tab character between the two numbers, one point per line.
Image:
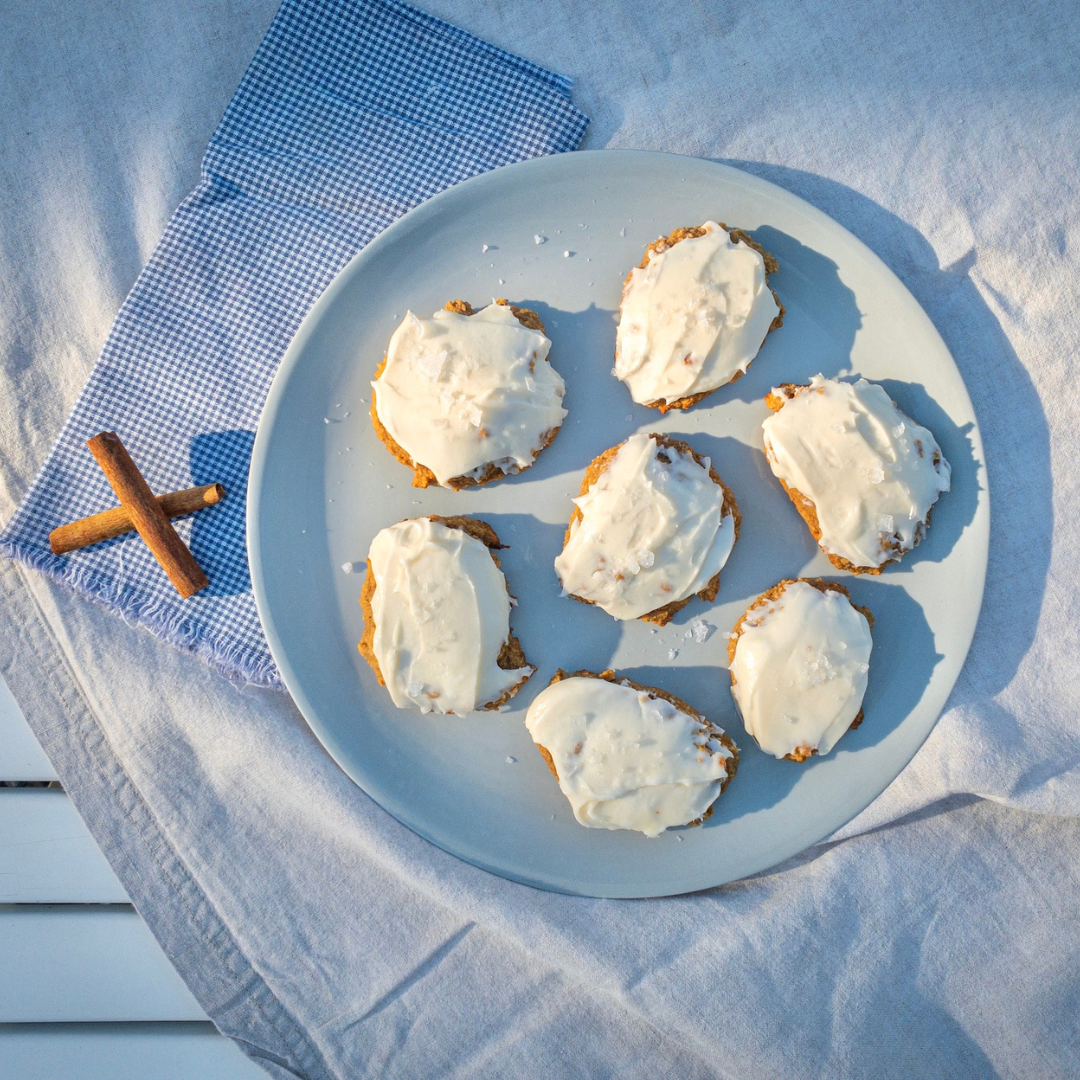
122	1052
47	855
21	757
71	963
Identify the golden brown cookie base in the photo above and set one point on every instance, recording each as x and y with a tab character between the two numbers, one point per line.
807	509
802	753
732	763
661	616
511	655
771	267
423	476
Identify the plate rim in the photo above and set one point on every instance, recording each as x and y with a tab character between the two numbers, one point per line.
293	353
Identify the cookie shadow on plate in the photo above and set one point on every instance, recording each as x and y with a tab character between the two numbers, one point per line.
601	412
1015	431
955	508
555	631
902	663
821	320
774	543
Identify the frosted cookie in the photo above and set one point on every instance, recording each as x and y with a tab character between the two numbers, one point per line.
628	756
798	659
651	529
693	315
863	475
467	397
437	617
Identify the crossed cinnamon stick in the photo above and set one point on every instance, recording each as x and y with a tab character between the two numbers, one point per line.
141	510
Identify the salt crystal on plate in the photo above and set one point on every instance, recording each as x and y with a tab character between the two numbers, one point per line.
538	239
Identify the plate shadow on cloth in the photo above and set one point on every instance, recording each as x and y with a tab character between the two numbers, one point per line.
1022	522
218	534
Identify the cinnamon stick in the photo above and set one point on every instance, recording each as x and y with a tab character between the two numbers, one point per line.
146	514
115	522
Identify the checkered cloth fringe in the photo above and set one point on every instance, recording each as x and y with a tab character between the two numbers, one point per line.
351	112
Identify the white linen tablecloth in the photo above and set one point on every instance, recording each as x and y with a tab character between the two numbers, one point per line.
939	933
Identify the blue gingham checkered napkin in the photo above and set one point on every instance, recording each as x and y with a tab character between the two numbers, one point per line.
351	112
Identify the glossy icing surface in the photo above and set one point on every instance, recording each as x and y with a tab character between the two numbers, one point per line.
871	472
652	531
625	758
800	669
693	318
442	616
461	391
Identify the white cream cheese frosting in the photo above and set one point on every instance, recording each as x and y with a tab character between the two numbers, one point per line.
461	391
653	530
627	759
442	615
799	670
871	472
693	318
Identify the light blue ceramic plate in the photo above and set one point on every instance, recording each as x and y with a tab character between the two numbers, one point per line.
319	491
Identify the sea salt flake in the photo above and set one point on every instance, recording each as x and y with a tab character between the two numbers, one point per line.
346	568
672	653
885	523
646	558
622	231
875	473
566	254
699	628
433	366
415	688
484	249
511	760
538	239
